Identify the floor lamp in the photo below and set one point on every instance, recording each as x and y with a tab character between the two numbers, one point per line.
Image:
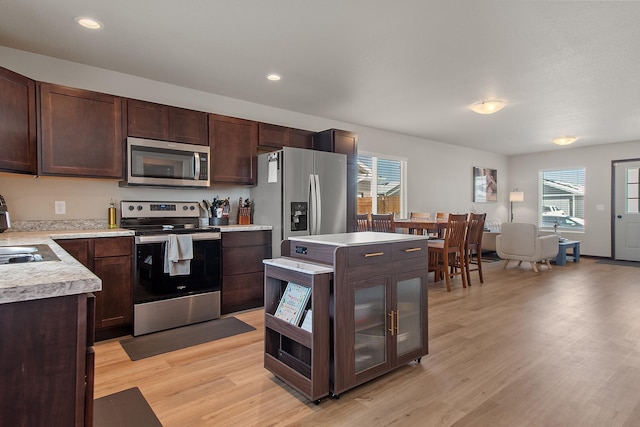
515	196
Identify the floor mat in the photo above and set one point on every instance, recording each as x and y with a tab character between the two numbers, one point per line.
175	339
127	408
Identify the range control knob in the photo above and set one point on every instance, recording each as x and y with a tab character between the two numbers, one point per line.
131	207
139	207
191	208
185	207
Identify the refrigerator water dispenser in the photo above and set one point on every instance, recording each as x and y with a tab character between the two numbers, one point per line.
299	216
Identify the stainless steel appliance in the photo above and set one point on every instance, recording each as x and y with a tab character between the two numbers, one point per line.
167	164
5	222
160	300
301	192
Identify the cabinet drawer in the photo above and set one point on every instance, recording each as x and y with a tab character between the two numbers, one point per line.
407	250
244	260
364	255
113	246
238	239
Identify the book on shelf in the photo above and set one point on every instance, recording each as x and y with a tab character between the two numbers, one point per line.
307	322
293	302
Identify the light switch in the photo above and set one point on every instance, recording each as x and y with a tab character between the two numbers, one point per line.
61	207
599	207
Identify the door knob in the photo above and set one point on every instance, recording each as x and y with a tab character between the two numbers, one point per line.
619	216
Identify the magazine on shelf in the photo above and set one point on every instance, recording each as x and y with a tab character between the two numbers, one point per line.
307	323
293	302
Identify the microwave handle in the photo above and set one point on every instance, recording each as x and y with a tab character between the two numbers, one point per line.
196	169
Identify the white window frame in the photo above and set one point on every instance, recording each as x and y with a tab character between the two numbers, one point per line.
374	180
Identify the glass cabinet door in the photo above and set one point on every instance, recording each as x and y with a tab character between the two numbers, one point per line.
370	341
409	315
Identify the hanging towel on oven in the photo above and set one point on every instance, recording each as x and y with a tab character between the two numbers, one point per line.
178	254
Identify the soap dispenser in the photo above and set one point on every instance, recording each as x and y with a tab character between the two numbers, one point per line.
112	215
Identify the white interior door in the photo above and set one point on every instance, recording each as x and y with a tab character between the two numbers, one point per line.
626	221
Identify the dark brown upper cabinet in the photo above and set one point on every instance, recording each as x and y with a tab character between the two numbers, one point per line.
166	123
80	132
17	123
275	137
234	149
337	141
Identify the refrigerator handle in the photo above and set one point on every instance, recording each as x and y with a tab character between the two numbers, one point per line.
318	205
312	204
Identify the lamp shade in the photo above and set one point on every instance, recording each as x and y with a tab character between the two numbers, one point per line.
516	196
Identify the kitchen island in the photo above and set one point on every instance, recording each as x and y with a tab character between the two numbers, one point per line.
46	335
377	307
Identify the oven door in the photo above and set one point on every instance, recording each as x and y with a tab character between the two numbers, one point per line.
153	284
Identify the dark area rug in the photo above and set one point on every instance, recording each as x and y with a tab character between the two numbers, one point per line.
175	339
621	263
127	408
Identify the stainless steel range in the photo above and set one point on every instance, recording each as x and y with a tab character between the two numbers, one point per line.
161	299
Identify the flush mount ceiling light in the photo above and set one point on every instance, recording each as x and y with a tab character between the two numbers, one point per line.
273	77
488	106
564	140
90	23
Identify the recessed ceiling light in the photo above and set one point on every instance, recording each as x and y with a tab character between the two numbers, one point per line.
564	140
90	23
489	106
273	77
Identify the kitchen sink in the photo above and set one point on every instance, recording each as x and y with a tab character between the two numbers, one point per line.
26	253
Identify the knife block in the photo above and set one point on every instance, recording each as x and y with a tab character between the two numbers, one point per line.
244	216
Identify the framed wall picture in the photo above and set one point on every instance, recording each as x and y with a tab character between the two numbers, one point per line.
485	185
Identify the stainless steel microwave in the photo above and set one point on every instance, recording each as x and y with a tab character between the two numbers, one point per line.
167	164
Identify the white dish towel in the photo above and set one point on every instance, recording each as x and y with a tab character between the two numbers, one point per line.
178	255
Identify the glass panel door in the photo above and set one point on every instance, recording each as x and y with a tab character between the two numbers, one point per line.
370	327
409	315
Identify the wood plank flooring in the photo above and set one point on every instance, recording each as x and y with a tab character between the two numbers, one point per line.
555	348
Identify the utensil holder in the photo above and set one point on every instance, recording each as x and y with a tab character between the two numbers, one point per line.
219	221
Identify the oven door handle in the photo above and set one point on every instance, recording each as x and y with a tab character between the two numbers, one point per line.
160	238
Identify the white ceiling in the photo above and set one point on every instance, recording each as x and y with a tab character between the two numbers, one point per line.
407	66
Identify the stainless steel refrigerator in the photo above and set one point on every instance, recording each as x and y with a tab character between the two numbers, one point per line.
301	192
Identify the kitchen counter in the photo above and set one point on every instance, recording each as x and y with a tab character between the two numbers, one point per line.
358	239
47	279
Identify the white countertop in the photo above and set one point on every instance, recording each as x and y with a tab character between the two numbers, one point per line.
358	238
297	265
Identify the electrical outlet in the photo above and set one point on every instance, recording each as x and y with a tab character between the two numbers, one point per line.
61	207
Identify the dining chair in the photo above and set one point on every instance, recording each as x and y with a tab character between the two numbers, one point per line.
363	223
440	216
473	244
447	256
425	216
382	223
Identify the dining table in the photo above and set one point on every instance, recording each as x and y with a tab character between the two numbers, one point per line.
415	224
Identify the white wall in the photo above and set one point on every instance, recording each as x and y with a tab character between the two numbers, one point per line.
439	175
524	172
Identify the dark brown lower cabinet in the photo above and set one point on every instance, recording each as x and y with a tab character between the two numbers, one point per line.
242	269
46	368
111	259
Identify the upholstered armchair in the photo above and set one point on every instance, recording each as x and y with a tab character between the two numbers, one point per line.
520	241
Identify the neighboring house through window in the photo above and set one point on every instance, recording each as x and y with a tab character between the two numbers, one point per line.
381	185
562	199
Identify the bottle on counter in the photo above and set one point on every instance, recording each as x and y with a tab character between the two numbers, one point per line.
112	215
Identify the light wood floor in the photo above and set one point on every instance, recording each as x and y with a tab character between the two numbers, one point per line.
556	348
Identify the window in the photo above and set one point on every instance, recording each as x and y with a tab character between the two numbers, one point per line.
384	177
562	203
633	181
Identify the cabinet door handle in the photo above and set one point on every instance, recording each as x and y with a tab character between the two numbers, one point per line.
413	249
398	322
373	254
391	313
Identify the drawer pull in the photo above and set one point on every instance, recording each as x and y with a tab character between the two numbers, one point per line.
413	249
373	254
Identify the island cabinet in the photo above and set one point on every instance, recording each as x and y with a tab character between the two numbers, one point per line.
234	149
80	133
111	259
243	270
378	301
17	123
166	123
47	362
298	351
